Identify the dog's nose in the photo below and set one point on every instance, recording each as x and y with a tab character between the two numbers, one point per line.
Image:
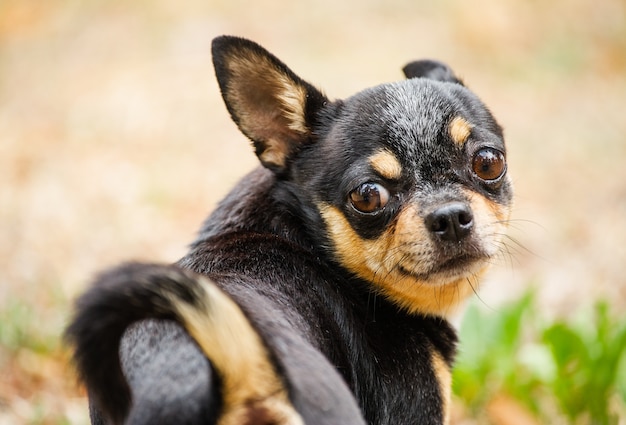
450	222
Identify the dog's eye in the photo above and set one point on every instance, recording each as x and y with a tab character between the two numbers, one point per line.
489	164
369	197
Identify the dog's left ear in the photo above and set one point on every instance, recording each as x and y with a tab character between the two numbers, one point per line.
431	69
269	103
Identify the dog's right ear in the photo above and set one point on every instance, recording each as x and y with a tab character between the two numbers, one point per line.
269	103
431	69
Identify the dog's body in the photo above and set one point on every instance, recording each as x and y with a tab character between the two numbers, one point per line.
319	287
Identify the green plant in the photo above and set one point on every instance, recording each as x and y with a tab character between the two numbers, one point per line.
570	370
34	363
587	356
21	328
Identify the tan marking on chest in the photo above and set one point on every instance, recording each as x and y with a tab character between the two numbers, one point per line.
444	377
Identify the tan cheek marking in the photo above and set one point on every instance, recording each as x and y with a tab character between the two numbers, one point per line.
376	261
360	256
492	212
386	164
444	377
460	130
490	221
500	211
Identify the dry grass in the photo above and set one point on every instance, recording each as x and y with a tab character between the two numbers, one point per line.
114	142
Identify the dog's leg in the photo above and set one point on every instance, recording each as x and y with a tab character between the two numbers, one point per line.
250	388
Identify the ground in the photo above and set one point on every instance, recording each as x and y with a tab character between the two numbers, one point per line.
115	143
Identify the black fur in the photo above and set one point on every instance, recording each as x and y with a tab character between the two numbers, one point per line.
431	69
347	354
123	296
378	349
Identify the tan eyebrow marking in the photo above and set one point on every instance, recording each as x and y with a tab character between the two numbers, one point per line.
386	164
460	130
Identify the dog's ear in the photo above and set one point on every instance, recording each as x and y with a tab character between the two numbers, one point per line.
431	69
269	103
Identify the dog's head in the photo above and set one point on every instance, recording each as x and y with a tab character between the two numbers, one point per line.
404	184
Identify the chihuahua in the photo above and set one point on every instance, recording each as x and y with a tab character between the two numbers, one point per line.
318	291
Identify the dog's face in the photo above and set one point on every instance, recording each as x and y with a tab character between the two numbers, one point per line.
404	184
410	181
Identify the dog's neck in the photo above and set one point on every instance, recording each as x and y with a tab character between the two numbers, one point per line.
258	204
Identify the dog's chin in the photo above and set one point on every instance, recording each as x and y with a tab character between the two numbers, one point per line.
451	270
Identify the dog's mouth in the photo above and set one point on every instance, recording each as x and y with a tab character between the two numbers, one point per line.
448	269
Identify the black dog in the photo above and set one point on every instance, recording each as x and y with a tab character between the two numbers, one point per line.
317	292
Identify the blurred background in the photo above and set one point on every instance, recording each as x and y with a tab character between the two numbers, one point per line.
115	144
